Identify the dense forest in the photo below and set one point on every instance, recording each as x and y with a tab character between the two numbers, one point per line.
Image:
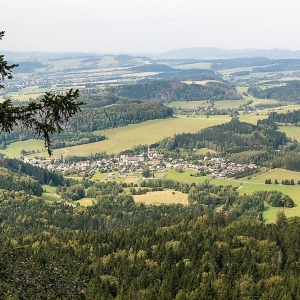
231	137
289	92
291	117
167	91
120	250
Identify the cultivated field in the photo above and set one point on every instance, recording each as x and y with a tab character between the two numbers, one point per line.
49	194
86	201
163	197
14	150
126	137
200	65
279	174
291	131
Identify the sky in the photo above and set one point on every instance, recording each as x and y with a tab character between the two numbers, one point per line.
148	26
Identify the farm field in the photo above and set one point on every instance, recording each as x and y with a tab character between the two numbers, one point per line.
49	194
200	65
86	201
162	197
291	131
189	104
126	137
279	174
14	150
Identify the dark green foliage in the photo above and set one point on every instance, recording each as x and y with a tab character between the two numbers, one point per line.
119	250
275	198
289	92
231	137
42	175
15	182
167	91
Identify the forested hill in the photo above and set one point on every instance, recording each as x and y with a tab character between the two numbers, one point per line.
166	91
121	114
126	251
292	117
231	137
289	92
78	130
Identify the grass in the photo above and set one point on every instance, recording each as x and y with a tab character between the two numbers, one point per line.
270	212
99	176
126	137
86	201
62	64
25	96
49	194
291	131
185	176
279	174
189	104
14	150
162	197
200	65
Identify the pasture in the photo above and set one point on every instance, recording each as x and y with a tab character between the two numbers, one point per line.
199	65
49	193
162	197
279	174
14	150
291	131
149	132
86	201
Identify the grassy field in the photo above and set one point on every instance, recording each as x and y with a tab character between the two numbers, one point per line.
99	176
49	194
126	137
62	64
189	104
279	174
163	197
291	131
204	103
25	96
200	65
270	212
86	201
14	150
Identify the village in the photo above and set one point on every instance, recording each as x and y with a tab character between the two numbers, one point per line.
151	164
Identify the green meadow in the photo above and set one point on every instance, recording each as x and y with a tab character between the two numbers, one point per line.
14	150
149	132
200	65
291	131
49	193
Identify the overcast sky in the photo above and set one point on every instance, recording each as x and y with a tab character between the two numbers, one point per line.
148	26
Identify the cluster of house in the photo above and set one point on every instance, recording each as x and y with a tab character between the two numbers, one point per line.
216	167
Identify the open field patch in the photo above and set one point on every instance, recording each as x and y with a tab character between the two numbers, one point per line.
86	201
199	65
291	131
162	197
130	180
279	174
99	176
189	104
49	193
269	214
14	150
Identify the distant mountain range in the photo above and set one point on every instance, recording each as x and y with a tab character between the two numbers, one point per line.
208	53
203	53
